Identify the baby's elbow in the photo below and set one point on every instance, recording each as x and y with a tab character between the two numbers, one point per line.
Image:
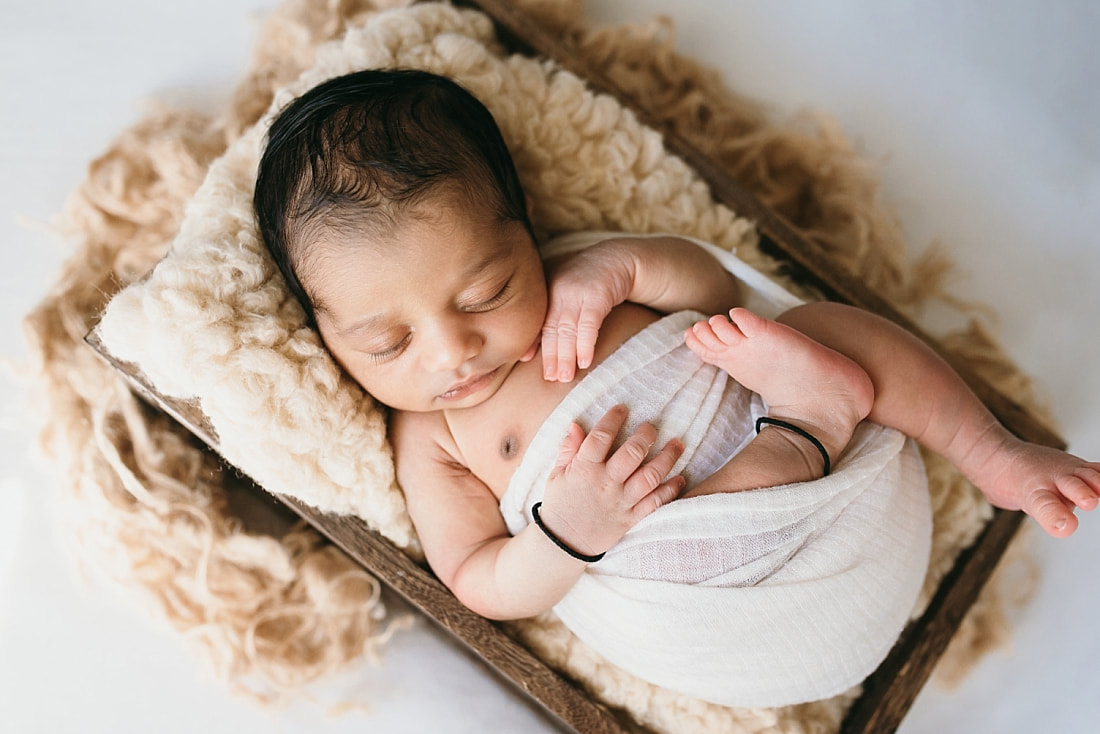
495	612
494	606
476	590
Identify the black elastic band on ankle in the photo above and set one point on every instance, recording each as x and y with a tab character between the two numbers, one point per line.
557	540
795	429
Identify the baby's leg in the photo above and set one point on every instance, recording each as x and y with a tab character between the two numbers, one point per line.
918	393
803	383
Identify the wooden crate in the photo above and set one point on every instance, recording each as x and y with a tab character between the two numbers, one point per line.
890	691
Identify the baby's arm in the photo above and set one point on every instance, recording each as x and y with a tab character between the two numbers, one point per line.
664	273
594	495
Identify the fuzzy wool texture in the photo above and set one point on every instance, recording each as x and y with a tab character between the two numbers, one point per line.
214	322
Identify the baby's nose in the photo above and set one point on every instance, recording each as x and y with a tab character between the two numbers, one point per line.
451	348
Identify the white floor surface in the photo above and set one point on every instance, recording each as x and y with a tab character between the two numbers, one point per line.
986	120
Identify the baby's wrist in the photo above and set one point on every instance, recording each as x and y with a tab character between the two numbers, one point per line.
567	547
626	255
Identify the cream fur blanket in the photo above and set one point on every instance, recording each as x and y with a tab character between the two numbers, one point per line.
764	598
215	322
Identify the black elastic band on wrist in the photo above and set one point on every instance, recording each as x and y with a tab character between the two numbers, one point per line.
557	541
801	432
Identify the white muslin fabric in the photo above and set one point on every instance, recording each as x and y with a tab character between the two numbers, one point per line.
766	597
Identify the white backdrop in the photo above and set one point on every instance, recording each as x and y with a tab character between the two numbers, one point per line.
985	119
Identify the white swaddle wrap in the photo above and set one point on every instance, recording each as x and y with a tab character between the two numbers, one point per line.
761	598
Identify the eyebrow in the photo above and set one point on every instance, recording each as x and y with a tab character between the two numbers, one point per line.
362	324
471	271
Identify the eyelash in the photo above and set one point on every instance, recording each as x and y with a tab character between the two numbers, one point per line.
493	302
488	305
388	354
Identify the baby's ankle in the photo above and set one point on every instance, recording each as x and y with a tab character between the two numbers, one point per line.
807	457
986	455
804	439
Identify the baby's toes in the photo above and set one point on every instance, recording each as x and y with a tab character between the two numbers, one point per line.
1051	512
725	330
747	323
694	342
1090	475
1080	488
703	335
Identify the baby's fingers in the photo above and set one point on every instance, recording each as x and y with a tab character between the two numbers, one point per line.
588	331
567	345
569	447
658	498
653	472
632	454
559	340
596	446
564	365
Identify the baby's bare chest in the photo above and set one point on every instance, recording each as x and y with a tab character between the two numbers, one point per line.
493	437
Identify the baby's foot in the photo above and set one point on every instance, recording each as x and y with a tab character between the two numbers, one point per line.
802	382
1043	482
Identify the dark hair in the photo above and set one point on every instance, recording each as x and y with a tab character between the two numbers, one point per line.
358	150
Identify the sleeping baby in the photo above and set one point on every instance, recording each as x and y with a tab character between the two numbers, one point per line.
726	505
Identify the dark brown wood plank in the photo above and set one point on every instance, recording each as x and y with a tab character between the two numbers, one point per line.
890	691
567	705
570	707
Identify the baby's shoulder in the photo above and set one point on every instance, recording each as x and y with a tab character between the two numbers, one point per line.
422	441
415	431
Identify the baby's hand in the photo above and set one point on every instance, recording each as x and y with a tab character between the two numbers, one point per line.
594	495
584	287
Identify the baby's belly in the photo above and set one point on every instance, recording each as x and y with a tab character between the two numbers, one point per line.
494	436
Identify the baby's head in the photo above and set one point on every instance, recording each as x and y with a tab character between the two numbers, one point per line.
393	209
359	154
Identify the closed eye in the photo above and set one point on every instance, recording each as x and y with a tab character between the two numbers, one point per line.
490	303
389	353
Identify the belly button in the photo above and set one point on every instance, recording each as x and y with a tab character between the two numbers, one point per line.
508	447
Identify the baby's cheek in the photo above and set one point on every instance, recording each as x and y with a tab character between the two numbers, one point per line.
526	322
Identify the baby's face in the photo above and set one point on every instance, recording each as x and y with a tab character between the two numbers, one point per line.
435	317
